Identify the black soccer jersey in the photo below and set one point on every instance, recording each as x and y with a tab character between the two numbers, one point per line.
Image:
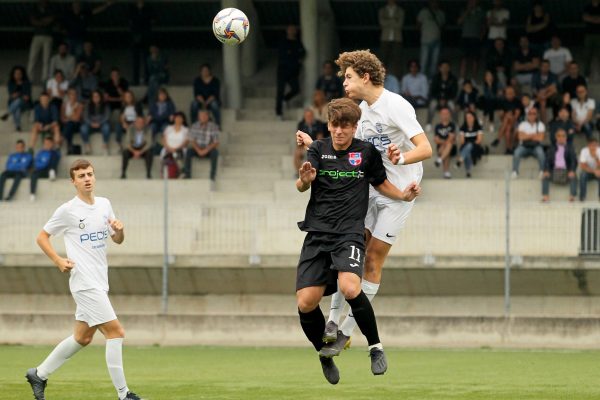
444	131
340	193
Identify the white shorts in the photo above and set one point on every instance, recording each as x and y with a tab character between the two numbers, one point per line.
386	219
93	307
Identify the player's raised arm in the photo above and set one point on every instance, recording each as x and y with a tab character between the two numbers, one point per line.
408	194
421	152
303	139
63	264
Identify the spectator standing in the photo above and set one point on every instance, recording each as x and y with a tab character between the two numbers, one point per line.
560	166
44	165
161	113
137	144
290	54
91	59
57	88
431	20
130	110
315	129
204	140
17	165
75	22
96	118
19	95
45	120
141	19
42	19
559	57
414	86
497	22
467	97
511	111
445	137
500	61
489	100
329	82
391	22
442	92
207	95
589	164
472	21
471	138
70	117
531	135
319	107
545	88
158	72
539	28
526	62
63	61
591	17
583	111
85	82
572	80
114	89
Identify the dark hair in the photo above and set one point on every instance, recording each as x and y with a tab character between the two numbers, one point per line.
56	71
443	61
206	65
20	141
476	125
115	69
49	137
413	61
182	115
329	62
545	61
163	89
343	111
14	69
92	106
592	140
77	165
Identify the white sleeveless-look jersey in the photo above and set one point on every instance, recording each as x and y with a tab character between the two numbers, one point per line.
86	229
391	119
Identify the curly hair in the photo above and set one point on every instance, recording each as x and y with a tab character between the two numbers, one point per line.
343	112
362	62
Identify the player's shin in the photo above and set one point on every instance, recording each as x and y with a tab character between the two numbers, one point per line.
313	324
337	306
61	353
114	362
349	324
365	318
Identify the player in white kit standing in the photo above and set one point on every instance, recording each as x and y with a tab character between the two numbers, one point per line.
86	223
390	123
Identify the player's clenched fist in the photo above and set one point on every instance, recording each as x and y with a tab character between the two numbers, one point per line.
412	191
116	225
65	265
307	173
393	153
303	139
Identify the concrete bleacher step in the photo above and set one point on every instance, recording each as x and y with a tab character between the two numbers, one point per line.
238	185
262	91
265	114
250	161
258	174
266	127
259	103
258	149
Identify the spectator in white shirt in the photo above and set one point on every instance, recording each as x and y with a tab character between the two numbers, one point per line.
175	138
497	21
414	87
589	163
57	88
530	134
559	57
391	22
583	111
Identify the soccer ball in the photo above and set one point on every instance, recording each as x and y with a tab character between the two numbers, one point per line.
231	26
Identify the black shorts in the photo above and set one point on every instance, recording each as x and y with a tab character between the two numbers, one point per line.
325	254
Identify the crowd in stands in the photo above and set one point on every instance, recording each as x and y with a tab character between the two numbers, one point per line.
79	99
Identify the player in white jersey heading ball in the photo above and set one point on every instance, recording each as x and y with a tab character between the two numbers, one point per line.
390	123
86	222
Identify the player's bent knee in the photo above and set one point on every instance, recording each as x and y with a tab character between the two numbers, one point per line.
84	340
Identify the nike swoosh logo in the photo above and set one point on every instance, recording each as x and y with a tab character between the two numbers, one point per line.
81	220
390	236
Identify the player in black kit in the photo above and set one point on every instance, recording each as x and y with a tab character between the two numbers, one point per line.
338	171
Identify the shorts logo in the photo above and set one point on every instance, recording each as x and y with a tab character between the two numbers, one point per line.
81	225
355	158
378	127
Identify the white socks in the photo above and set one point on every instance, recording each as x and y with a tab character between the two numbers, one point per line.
349	324
114	362
337	306
61	353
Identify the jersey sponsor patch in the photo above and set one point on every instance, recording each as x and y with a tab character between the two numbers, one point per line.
355	158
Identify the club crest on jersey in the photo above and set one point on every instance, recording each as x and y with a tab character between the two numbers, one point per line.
355	158
378	127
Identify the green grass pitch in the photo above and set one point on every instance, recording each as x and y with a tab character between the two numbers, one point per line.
214	373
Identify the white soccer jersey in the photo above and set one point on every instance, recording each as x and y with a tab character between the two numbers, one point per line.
391	119
86	229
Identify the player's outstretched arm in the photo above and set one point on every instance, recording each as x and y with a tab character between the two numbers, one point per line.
408	194
306	174
303	139
63	264
117	227
421	152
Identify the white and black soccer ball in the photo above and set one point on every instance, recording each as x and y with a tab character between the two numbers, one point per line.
231	26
